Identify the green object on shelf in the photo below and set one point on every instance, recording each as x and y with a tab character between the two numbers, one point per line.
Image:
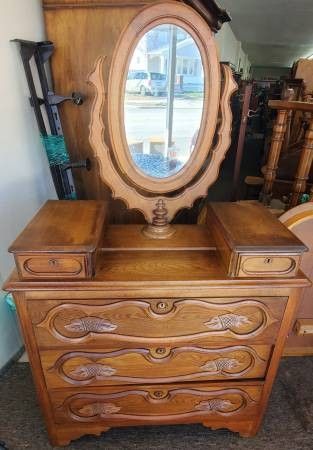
10	302
57	153
56	149
305	198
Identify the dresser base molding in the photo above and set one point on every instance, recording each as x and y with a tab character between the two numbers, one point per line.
63	435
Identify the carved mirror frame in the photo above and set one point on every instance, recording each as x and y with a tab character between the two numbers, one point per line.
190	21
127	182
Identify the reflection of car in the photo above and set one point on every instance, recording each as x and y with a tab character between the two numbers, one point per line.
142	82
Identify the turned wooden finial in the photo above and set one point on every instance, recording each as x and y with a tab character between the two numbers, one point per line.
160	228
160	214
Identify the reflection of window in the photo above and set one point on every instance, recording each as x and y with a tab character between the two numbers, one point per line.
185	66
179	63
157	76
197	67
141	76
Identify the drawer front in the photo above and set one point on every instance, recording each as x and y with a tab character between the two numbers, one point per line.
53	266
156	321
153	365
267	265
158	404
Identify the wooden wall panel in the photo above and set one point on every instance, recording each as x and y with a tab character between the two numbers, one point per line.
82	30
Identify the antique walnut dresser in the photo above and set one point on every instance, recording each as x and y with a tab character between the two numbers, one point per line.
163	324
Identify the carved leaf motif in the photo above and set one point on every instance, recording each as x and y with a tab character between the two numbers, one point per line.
216	404
97	371
98	409
221	364
227	321
90	324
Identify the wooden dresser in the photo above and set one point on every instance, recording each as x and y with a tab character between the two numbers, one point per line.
166	324
123	330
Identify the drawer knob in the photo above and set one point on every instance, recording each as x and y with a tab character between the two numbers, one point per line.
53	262
159	394
162	306
268	260
160	351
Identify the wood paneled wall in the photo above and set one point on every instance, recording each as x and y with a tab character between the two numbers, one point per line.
81	30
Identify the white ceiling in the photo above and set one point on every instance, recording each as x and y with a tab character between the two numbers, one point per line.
273	32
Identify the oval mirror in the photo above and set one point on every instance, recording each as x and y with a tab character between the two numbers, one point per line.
163	100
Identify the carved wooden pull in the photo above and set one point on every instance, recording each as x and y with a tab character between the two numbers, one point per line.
227	321
98	409
91	324
220	365
214	405
98	371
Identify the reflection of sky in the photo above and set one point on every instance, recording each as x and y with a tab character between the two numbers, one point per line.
159	36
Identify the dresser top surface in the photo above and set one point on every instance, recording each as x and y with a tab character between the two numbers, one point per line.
63	226
130	237
249	226
155	265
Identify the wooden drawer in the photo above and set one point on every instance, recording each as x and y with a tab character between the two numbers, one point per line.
166	321
157	404
52	266
153	365
262	247
61	241
270	265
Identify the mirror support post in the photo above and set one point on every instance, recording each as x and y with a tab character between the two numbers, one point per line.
171	73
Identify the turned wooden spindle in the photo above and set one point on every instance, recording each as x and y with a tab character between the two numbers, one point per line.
159	228
288	95
273	157
304	166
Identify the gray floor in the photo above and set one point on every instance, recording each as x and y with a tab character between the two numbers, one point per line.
288	424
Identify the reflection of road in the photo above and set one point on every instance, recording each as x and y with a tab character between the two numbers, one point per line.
144	123
161	102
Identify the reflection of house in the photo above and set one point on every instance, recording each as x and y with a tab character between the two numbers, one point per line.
139	59
188	64
152	54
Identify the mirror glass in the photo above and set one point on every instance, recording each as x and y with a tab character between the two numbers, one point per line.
163	100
